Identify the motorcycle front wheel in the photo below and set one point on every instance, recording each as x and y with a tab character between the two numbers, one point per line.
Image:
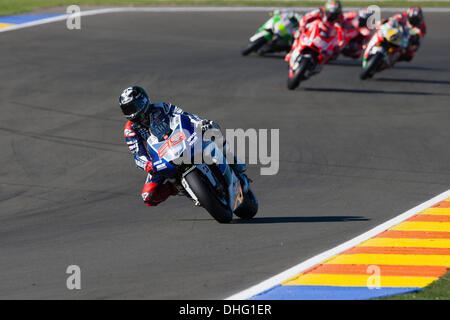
304	65
372	66
208	197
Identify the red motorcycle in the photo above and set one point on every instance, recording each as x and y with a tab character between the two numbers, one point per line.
356	32
385	48
313	47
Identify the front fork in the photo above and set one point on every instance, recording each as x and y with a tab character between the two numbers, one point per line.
294	63
372	51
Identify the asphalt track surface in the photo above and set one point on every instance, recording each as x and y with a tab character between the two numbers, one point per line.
353	154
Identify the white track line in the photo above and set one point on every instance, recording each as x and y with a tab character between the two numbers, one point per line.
277	279
185	9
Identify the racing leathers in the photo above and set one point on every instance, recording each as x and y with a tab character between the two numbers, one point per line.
415	34
287	24
334	28
319	14
136	136
313	16
156	189
356	36
283	24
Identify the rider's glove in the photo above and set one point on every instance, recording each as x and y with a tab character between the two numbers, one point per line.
208	124
148	167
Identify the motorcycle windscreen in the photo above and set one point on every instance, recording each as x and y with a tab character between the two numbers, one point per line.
171	148
160	125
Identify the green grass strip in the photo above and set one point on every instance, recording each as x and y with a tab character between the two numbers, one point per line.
10	7
438	290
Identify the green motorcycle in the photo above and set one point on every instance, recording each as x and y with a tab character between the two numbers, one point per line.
276	35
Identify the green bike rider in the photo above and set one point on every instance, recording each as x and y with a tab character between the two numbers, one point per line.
275	35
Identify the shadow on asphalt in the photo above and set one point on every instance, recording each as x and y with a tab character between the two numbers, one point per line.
350	63
369	91
357	63
268	56
264	220
406	67
413	80
301	219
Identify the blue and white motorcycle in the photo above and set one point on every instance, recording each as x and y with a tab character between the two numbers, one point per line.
210	182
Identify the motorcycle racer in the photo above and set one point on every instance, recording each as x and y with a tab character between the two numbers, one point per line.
276	34
286	24
384	49
146	120
356	32
330	13
290	19
413	20
331	17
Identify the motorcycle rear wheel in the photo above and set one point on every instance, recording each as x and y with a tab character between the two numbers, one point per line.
208	198
277	44
249	208
253	46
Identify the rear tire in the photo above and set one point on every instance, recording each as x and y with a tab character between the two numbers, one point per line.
274	45
299	74
253	46
208	197
249	207
372	66
267	48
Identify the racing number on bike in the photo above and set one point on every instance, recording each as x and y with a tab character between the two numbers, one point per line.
173	141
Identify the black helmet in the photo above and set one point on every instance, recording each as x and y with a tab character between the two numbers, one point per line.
364	15
415	16
295	18
135	103
332	10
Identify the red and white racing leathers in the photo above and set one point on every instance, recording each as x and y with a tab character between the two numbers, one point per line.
416	34
312	16
355	36
335	26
